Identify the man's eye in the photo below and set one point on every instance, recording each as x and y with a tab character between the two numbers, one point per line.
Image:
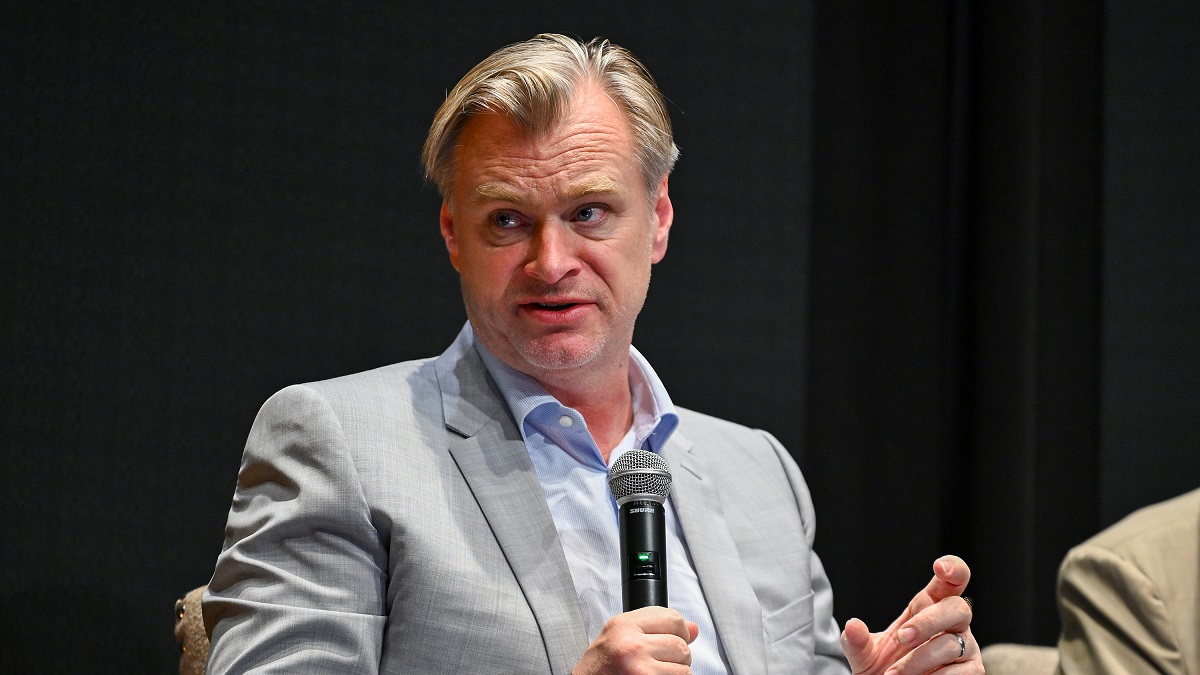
590	214
506	220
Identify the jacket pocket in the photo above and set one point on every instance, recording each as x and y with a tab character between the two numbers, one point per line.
794	617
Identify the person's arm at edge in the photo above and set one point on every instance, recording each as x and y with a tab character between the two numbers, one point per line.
1113	617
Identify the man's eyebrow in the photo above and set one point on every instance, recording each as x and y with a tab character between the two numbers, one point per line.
486	192
590	186
496	192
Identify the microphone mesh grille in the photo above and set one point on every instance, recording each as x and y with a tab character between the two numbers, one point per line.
639	472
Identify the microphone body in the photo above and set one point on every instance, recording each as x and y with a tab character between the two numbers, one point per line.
640	481
643	554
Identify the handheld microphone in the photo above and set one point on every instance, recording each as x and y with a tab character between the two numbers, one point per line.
640	481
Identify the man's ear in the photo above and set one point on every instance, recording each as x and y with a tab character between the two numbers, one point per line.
664	215
446	222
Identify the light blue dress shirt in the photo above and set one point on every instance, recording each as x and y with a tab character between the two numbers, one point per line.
574	479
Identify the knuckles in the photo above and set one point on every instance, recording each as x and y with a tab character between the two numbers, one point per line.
626	652
623	646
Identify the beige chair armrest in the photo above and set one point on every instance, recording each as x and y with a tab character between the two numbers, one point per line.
1014	659
189	631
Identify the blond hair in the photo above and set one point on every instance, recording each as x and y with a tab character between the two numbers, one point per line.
532	82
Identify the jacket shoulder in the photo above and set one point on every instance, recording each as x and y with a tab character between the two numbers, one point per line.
696	423
732	440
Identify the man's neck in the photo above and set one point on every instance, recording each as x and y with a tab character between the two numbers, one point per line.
603	399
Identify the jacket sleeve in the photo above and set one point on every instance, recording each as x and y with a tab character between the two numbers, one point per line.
1114	619
299	585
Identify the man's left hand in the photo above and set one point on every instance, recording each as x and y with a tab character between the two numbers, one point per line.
927	635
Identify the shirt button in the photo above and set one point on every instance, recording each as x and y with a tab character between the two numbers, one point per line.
566	420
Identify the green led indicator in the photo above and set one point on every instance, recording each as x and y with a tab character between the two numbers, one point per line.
643	557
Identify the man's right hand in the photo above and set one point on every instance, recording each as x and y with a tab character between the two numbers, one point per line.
646	640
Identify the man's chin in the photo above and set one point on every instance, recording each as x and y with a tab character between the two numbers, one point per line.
557	354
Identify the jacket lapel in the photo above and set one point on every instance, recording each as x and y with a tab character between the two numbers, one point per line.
493	460
731	599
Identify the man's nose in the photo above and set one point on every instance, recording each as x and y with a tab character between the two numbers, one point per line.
553	252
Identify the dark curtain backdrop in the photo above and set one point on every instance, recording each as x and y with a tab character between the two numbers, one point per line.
944	251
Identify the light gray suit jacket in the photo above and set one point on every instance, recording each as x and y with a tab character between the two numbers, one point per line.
392	521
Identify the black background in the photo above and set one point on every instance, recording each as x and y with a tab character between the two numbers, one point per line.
944	251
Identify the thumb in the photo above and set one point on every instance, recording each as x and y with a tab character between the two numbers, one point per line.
693	631
856	644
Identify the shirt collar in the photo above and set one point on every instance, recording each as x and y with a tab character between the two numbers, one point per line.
654	417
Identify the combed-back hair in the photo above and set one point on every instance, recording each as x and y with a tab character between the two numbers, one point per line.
532	84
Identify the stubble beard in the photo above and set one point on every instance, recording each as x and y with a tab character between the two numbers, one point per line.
550	353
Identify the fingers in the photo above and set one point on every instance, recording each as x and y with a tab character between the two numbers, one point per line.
928	624
647	640
948	653
951	615
857	645
950	577
938	636
660	620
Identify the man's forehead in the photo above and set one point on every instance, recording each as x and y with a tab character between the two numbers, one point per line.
589	150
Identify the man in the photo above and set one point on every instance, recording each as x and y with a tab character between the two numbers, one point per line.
451	515
1128	596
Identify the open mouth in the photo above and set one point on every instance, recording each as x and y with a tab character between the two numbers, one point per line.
555	307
